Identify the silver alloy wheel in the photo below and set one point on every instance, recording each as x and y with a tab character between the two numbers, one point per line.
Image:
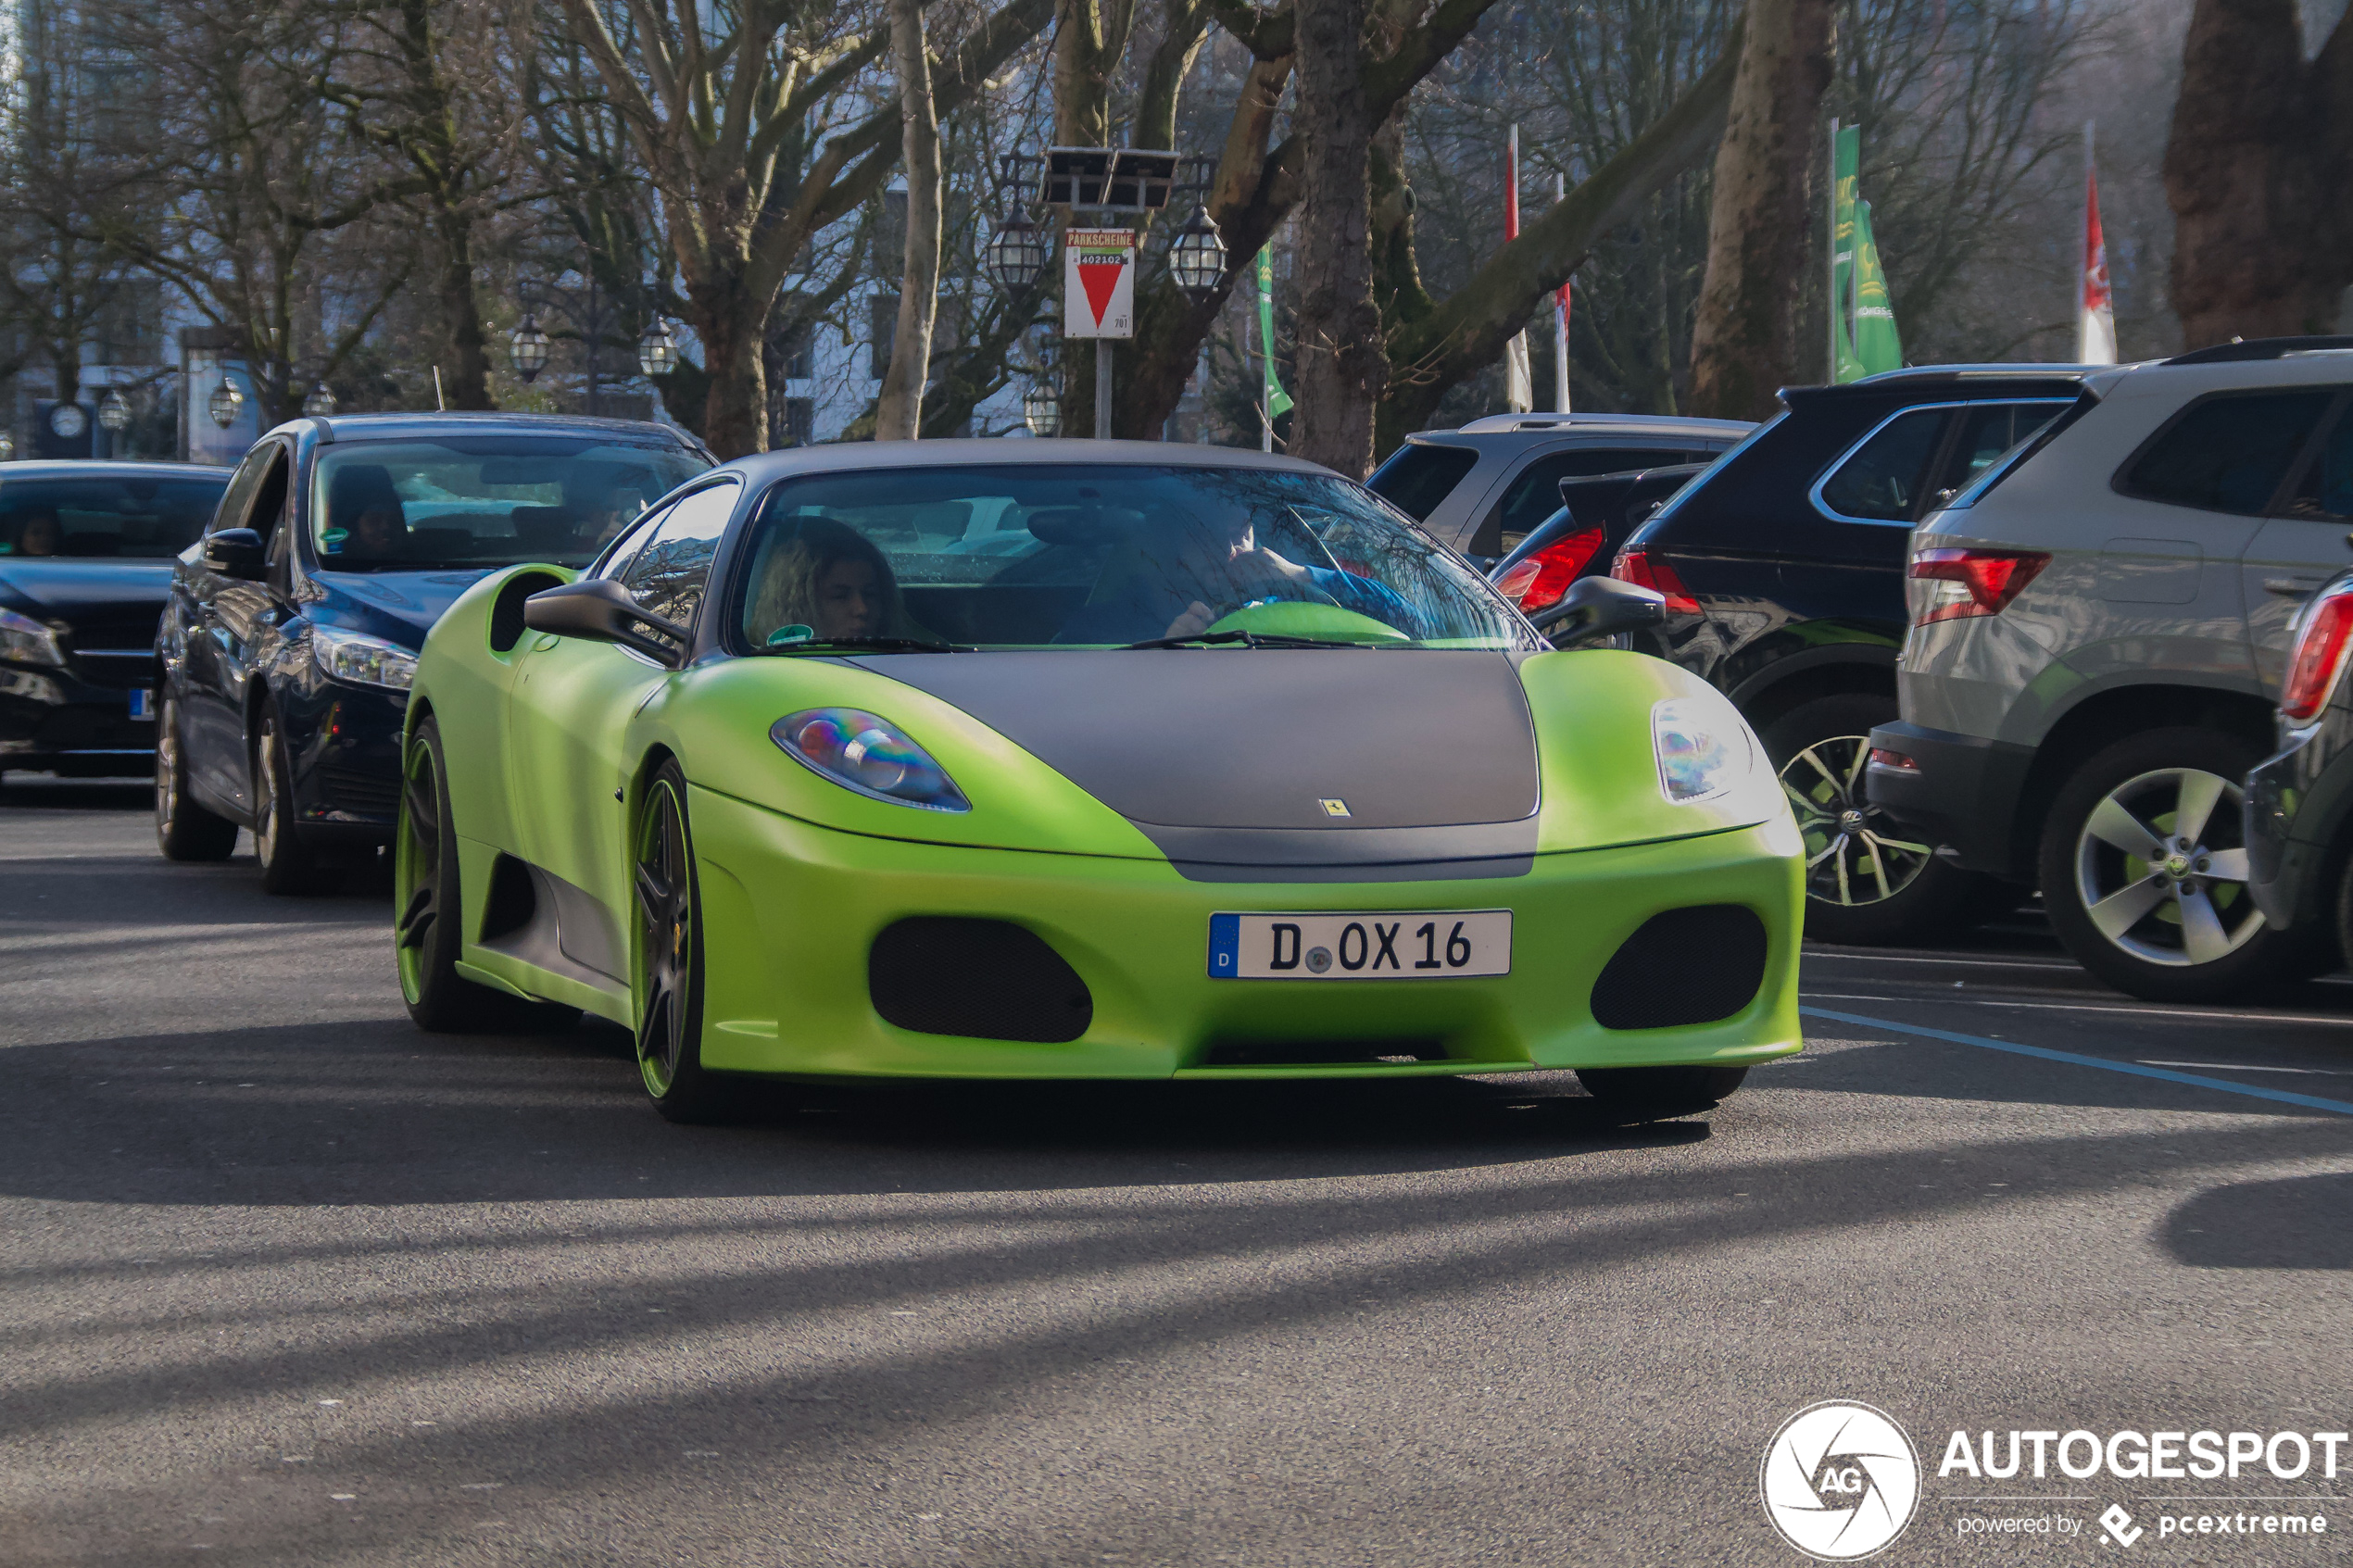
1852	859
268	823
2161	868
166	764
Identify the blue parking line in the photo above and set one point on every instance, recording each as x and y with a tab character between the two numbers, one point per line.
2134	1069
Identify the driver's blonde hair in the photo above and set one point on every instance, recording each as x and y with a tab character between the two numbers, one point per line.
799	554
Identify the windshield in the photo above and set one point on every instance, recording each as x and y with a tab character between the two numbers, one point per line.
1081	556
135	517
482	500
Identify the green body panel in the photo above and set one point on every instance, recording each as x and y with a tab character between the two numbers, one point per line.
548	747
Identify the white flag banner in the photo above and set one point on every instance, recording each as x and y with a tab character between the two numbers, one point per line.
1519	388
2096	302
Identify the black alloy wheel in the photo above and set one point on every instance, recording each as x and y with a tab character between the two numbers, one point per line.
1870	881
184	831
287	865
669	957
428	938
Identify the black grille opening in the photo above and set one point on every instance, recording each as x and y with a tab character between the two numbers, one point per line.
506	610
362	791
990	979
1686	966
512	899
1323	1053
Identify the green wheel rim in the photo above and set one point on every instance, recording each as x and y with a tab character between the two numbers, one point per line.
416	869
666	938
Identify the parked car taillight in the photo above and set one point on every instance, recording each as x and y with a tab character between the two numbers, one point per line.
1638	568
1967	583
2321	638
1541	579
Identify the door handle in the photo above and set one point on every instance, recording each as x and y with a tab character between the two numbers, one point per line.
2291	587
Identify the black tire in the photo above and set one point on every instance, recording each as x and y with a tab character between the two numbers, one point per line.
1875	883
667	961
1649	1093
426	934
287	864
184	831
2176	924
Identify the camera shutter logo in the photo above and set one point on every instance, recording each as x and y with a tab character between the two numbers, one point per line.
1840	1480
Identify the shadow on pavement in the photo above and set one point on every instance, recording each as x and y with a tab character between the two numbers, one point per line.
2298	1223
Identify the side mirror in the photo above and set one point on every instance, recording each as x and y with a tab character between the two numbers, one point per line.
600	610
236	552
1596	608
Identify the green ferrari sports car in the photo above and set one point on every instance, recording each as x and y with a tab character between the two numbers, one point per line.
1083	759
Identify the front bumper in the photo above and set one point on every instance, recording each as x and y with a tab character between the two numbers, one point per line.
791	910
1962	793
2298	802
344	743
70	721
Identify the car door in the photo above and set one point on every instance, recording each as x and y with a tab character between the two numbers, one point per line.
2301	546
571	700
226	616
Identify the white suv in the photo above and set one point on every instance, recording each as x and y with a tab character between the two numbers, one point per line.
2097	631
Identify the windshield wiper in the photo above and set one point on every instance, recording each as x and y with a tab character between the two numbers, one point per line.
1248	639
869	645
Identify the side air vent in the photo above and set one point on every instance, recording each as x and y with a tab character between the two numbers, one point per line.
506	611
988	979
1686	966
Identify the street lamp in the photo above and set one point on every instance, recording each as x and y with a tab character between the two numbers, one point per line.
114	412
658	349
226	399
527	348
1041	411
321	403
7	447
1196	255
1017	251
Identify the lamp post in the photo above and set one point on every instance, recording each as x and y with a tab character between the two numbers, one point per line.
227	399
114	416
1041	410
1017	252
321	403
527	348
658	349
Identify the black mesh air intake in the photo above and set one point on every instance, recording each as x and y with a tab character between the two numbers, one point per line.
1686	966
985	978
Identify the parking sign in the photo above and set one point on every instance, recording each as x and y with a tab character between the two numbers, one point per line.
1099	283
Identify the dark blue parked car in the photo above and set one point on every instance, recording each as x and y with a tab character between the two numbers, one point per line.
293	625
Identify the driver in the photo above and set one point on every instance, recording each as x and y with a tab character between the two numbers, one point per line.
1215	567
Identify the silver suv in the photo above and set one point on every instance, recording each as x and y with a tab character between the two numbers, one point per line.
1485	487
2099	626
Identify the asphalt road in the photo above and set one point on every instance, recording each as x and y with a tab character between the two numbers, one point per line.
287	1281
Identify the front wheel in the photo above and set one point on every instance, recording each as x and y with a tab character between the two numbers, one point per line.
2143	865
287	864
184	831
1651	1093
669	958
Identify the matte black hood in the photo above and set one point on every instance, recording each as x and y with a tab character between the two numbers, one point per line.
1226	757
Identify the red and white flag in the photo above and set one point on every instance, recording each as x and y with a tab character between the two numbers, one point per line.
1519	386
2096	305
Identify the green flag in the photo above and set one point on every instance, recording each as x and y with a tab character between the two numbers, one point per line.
1277	400
1846	156
1877	347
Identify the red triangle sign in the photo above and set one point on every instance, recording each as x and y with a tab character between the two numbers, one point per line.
1101	277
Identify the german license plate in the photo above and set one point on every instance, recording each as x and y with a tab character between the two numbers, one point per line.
142	703
1394	944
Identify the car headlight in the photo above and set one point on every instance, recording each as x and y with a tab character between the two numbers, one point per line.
860	752
27	641
1703	748
368	661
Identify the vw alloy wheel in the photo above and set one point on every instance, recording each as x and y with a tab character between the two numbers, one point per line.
665	912
1854	856
2160	867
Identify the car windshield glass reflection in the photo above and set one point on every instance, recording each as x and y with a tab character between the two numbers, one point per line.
482	501
132	518
1081	556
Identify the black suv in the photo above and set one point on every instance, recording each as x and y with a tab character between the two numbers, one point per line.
1784	570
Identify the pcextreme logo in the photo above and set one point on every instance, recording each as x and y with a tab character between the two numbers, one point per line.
1840	1480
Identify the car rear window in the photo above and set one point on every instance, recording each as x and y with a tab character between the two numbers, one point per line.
137	517
2226	454
1881	482
1421	475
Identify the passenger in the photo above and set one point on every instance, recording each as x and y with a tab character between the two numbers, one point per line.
40	534
381	533
1215	561
602	514
831	579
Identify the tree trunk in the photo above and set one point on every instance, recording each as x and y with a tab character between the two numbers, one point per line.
1342	362
899	414
1745	339
735	414
466	377
2250	172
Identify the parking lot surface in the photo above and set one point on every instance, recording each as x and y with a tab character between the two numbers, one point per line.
287	1281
